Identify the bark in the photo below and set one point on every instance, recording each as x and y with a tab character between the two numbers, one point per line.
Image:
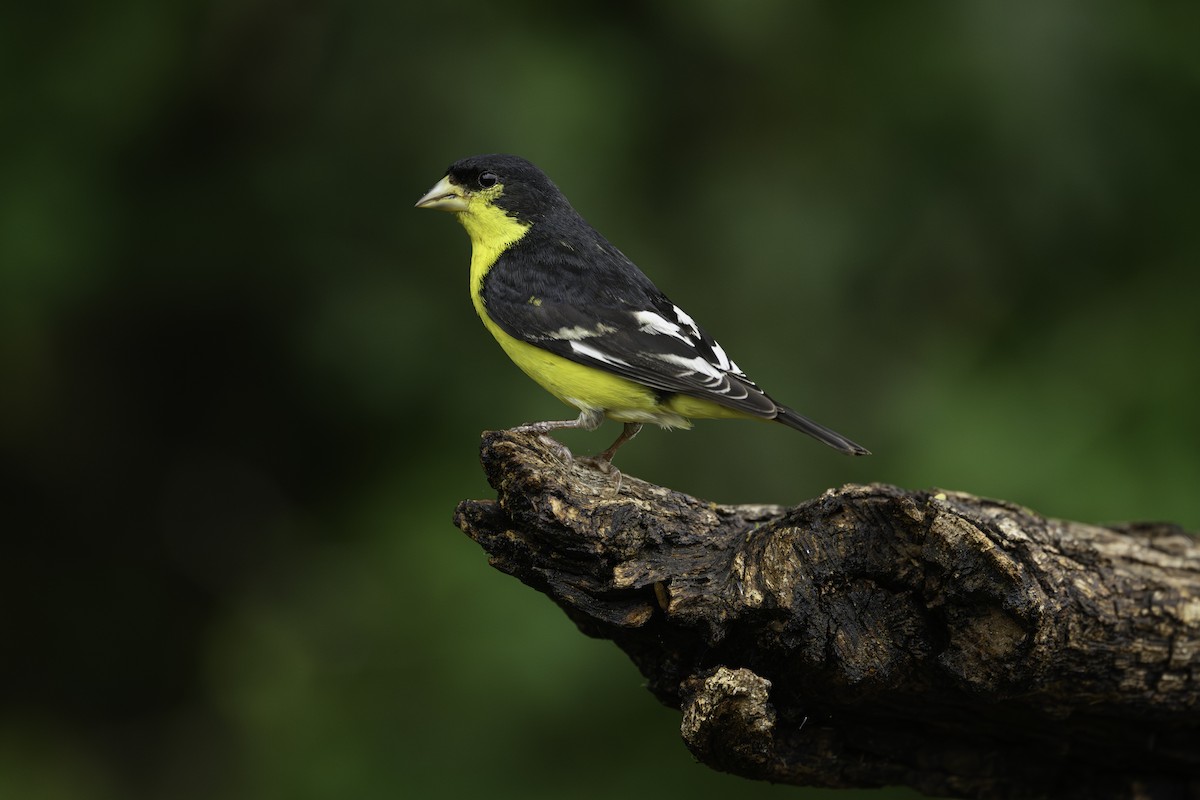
874	636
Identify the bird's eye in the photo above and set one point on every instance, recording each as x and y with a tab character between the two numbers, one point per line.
488	180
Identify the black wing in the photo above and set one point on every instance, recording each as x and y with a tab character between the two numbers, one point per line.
598	309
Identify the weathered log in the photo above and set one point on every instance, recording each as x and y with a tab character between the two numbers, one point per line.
874	636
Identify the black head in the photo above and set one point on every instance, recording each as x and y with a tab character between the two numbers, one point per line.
525	191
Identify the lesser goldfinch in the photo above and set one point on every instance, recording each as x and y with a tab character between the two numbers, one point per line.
583	321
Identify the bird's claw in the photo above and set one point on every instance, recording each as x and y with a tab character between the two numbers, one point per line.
604	467
557	449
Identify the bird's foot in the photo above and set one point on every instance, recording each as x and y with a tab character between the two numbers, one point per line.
599	463
604	467
558	451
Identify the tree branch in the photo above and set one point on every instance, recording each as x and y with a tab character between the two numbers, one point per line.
873	636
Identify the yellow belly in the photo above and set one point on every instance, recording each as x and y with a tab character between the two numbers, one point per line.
587	388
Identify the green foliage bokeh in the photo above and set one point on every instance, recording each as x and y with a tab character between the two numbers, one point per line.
241	384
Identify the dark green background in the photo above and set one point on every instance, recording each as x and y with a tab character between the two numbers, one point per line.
241	384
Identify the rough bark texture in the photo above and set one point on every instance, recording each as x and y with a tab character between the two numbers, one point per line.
875	636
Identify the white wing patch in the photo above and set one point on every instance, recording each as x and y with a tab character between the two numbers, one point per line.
652	322
591	352
580	332
723	360
685	330
685	319
698	365
701	363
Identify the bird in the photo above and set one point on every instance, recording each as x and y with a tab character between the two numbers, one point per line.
583	321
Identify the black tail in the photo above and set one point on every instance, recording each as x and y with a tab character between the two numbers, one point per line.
820	432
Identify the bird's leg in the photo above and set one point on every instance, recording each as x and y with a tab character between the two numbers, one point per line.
630	431
589	419
603	462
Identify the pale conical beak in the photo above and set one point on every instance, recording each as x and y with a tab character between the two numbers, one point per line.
445	196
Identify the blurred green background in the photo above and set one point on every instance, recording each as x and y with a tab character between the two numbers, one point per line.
241	384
